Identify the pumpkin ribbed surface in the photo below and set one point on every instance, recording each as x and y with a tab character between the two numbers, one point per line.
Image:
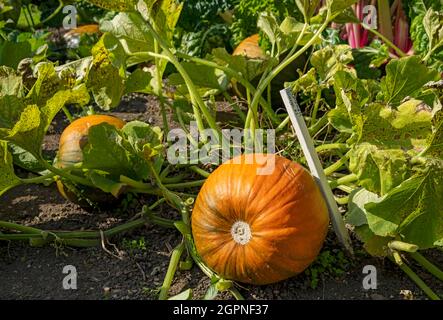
259	229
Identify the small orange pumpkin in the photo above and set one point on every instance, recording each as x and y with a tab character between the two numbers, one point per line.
85	29
250	48
259	229
74	137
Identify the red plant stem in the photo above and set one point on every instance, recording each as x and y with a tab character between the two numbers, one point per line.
351	38
401	29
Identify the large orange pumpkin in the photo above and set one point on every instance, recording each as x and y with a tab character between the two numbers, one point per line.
73	138
259	229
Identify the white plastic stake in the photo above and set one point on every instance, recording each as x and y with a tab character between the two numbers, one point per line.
315	166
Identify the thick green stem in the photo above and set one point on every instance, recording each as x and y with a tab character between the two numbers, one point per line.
425	263
68	114
53	14
343	181
195	96
237	295
19	227
402	246
321	123
342	201
389	43
283	124
316	106
240	78
172	268
418	281
40	179
289	59
336	166
159	88
182	185
135	184
346	189
331	146
200	171
65	174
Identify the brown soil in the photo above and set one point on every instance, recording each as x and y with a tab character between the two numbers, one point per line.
123	272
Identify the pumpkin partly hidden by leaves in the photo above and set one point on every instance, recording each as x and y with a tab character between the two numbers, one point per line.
72	140
259	229
250	48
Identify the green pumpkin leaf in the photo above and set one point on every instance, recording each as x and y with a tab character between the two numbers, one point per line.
166	17
375	245
26	125
144	139
107	150
248	68
211	293
11	53
48	83
8	179
11	82
351	96
134	36
405	77
106	77
206	78
329	60
139	81
385	140
105	184
291	29
185	295
24	159
358	198
115	5
414	209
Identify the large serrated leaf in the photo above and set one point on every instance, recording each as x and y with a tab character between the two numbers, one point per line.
48	83
26	125
107	150
404	77
106	77
329	60
385	140
131	30
414	209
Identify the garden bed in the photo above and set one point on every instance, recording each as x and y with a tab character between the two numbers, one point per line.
142	256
